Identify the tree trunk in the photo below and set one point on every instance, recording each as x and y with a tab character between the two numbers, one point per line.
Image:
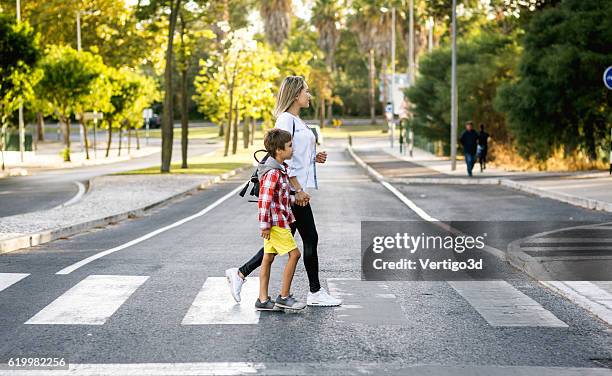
322	113
252	133
229	121
245	132
137	139
129	129
372	87
168	116
85	138
329	111
40	126
66	124
221	129
110	137
184	119
120	139
235	140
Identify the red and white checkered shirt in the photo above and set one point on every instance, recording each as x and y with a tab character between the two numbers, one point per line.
275	199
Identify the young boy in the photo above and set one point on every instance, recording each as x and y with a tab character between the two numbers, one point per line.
275	216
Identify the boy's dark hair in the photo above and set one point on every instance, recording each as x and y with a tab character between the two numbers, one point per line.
276	139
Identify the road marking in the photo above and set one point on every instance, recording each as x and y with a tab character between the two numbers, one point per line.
214	304
75	198
75	266
500	304
90	302
366	302
303	369
8	279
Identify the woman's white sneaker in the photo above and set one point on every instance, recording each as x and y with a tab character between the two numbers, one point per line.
235	283
322	299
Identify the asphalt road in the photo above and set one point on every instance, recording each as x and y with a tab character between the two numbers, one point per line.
50	188
172	309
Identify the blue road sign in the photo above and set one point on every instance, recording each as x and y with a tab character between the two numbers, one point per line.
607	77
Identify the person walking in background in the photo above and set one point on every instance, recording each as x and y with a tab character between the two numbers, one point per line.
469	140
483	147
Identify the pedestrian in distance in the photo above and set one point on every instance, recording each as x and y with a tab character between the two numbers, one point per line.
469	140
294	95
483	147
275	218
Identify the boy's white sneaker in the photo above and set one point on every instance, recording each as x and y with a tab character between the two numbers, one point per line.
235	283
322	299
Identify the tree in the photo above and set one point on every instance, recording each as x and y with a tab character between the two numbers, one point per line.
276	15
558	99
326	18
68	81
18	55
484	62
152	10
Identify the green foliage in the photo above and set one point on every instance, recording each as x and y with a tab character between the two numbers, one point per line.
484	62
558	99
19	53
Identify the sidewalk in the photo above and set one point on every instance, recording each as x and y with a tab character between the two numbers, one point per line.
587	189
110	199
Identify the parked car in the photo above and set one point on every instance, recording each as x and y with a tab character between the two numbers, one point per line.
154	122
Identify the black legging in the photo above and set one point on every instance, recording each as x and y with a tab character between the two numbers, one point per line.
305	224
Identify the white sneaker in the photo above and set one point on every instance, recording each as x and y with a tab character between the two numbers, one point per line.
322	299
235	283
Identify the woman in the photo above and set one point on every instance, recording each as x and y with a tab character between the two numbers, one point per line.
293	96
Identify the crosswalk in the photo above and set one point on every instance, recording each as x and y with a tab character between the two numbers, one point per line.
95	299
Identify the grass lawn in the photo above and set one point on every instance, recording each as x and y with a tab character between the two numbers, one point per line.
215	164
355	130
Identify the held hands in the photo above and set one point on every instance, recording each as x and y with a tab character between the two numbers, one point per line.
321	157
265	234
302	198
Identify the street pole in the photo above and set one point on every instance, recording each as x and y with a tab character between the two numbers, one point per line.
392	75
453	141
430	26
95	121
21	124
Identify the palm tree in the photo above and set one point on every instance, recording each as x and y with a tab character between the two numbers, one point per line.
326	17
372	28
276	15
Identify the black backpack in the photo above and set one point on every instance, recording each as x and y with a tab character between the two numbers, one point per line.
254	178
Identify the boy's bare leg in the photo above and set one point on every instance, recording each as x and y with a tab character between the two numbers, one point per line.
294	257
264	276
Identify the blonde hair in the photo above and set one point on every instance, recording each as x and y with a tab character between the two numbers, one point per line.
290	88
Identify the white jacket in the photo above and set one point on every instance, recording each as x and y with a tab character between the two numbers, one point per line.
302	163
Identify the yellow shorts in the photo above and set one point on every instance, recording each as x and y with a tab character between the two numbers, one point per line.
281	241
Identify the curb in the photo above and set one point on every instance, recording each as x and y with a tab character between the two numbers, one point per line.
14	172
34	239
578	201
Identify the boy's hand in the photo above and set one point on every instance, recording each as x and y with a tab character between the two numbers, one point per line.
265	234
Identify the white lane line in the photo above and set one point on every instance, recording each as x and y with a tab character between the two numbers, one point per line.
90	302
214	304
500	304
301	369
8	279
75	198
75	266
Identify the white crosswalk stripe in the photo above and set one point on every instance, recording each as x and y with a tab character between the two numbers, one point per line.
500	304
90	302
214	304
9	279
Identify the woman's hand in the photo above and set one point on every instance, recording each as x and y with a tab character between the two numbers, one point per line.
321	157
302	198
265	234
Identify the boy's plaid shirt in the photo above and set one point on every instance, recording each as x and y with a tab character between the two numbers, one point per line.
275	200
